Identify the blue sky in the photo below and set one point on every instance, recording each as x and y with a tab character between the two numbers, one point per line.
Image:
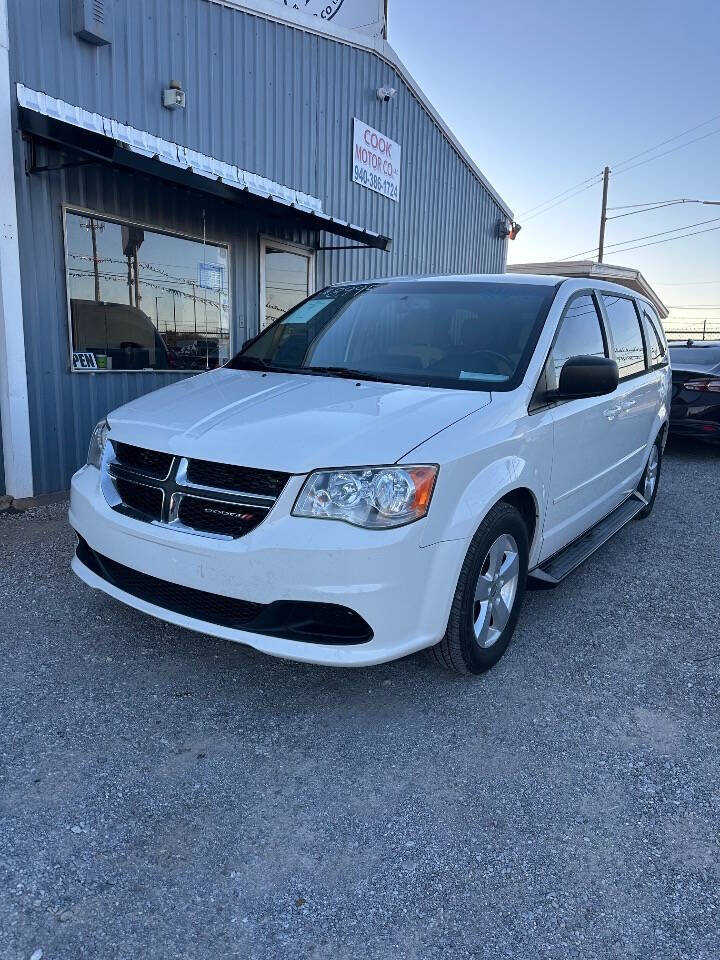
543	95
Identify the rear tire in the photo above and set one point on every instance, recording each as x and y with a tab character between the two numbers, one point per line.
488	595
650	479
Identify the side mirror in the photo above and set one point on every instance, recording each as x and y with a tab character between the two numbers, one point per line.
588	376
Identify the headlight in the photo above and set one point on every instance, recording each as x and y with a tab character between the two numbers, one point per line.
97	444
373	497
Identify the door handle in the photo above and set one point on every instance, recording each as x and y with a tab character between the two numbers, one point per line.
611	412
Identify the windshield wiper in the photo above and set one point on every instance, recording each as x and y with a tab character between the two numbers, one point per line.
349	374
251	363
255	363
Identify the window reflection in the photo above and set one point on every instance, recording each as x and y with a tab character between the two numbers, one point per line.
625	327
286	281
143	300
580	335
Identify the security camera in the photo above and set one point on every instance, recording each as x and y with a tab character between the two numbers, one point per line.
386	93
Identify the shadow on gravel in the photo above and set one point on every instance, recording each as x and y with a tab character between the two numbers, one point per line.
687	448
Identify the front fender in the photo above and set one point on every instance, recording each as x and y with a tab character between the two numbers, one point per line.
488	465
494	481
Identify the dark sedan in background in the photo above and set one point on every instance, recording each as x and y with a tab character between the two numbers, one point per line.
695	409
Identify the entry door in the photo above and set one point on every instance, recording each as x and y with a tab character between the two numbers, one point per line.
286	278
588	451
639	388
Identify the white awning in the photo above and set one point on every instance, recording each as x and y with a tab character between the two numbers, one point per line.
180	158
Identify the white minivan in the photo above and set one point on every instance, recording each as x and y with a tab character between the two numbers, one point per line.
383	468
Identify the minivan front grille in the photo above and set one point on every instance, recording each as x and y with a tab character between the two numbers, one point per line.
197	496
264	483
231	519
151	462
139	498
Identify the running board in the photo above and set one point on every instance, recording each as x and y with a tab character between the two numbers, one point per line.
552	571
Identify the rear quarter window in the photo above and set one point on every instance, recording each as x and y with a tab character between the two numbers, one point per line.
626	334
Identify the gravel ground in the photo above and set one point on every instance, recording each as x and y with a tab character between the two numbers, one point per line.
167	795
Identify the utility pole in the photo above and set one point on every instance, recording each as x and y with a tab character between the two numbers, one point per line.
96	271
603	214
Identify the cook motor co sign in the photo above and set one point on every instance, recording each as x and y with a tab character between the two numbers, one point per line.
375	161
365	15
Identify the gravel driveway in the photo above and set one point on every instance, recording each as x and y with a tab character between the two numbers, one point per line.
168	795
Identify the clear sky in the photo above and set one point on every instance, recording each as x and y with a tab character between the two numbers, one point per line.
543	94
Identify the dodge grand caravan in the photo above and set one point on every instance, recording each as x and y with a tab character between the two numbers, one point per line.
384	468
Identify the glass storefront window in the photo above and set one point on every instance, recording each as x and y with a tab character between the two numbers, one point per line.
287	278
144	300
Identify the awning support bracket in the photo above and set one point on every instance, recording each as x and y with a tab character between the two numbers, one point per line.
32	166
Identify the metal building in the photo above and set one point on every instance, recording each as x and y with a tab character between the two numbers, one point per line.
184	171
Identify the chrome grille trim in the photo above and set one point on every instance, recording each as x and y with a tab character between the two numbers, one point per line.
174	488
200	490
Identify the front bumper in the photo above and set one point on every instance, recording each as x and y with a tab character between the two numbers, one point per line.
400	588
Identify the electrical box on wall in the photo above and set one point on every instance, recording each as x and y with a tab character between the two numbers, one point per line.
91	21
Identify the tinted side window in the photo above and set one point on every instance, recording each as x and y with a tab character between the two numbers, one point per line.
626	334
580	334
656	341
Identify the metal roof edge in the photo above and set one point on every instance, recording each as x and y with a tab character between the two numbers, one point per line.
612	273
382	49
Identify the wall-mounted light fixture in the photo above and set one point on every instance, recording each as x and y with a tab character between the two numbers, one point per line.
508	228
174	96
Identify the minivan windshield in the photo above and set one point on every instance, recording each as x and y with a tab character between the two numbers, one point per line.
471	335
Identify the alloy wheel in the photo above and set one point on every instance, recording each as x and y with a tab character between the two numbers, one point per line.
651	474
496	590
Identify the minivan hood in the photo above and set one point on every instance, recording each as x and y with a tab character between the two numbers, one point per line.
290	422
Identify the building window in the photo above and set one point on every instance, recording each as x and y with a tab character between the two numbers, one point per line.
144	300
286	278
627	335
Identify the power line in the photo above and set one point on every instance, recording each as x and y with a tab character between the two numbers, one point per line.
648	236
557	204
685	283
668	239
648	203
650	208
657	146
666	152
627	160
662	233
557	195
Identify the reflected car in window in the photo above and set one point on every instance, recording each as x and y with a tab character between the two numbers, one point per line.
143	300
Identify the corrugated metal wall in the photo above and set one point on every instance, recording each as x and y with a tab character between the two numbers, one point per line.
269	97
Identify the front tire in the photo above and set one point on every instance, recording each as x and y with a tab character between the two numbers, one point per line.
488	595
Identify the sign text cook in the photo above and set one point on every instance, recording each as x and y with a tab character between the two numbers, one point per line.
375	161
